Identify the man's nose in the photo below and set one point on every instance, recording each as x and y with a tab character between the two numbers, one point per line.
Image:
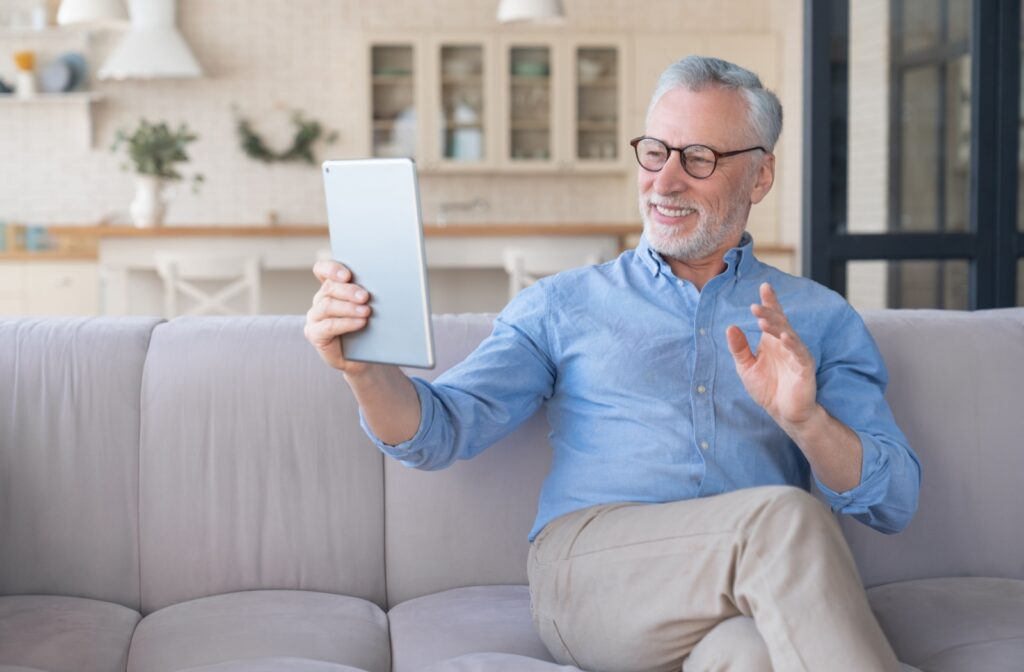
672	178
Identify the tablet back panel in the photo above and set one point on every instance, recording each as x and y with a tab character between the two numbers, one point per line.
373	208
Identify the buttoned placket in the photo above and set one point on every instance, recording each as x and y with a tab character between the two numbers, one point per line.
703	374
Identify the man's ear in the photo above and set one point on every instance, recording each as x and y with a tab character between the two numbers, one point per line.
765	179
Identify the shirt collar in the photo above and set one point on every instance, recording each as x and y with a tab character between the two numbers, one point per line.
738	259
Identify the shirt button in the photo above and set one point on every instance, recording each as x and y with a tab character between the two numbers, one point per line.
702	331
701	389
704	445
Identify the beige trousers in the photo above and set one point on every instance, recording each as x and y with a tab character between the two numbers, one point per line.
630	586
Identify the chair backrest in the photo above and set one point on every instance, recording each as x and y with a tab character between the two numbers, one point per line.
234	274
526	266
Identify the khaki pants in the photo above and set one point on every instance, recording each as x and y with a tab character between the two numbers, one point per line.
629	586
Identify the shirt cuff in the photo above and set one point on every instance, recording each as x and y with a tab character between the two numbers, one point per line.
858	498
406	448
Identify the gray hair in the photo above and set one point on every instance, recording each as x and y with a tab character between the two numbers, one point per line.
696	73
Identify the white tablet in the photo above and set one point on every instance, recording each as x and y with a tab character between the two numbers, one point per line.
373	211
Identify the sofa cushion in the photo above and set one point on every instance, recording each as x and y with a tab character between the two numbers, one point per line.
465	525
455	622
954	624
69	438
955	392
496	662
260	623
255	473
272	664
64	634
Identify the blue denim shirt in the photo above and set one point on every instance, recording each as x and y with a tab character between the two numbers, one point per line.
642	394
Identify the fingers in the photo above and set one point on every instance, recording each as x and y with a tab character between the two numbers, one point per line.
346	291
326	330
331	270
769	297
771	318
739	346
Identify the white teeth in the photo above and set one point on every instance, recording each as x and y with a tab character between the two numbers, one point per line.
672	213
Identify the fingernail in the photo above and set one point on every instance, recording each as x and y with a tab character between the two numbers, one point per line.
342	275
361	295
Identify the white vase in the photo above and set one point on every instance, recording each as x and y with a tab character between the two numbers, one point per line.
149	207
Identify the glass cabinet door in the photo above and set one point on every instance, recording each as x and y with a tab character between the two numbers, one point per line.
393	100
462	103
529	97
597	104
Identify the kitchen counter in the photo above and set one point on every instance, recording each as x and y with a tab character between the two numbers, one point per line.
462	258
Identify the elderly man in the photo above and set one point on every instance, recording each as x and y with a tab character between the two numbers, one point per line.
689	412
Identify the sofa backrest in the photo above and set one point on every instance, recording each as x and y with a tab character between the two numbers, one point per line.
255	473
467	524
69	468
955	389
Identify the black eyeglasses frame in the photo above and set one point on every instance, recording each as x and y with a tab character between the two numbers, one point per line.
682	153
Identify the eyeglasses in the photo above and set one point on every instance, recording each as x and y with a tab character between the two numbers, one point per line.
698	161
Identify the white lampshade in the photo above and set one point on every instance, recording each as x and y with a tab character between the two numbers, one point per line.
92	12
153	47
536	11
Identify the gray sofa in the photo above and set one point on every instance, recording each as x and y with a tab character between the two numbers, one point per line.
197	494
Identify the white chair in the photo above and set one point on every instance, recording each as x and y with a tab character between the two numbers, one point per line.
526	266
235	274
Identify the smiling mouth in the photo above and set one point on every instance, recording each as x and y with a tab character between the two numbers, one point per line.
673	213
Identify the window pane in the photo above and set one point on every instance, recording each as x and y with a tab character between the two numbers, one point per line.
394	111
530	96
958	144
959	20
462	98
919	151
907	159
921	25
908	284
1020	282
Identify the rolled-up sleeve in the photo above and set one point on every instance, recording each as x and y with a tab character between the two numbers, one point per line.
486	396
851	386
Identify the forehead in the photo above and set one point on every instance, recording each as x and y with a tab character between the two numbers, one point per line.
715	116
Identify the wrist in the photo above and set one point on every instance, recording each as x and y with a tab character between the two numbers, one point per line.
807	426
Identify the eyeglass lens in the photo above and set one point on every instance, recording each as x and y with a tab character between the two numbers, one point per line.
697	160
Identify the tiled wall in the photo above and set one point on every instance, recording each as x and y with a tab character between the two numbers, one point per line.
268	56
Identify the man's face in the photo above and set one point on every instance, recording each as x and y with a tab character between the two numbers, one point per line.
687	218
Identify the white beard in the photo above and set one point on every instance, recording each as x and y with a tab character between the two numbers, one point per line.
711	233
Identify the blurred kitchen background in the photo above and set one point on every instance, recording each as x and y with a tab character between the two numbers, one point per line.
518	113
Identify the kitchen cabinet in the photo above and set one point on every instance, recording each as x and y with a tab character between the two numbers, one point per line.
526	102
49	287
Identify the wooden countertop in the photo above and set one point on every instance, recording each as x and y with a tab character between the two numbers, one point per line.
429	230
86	237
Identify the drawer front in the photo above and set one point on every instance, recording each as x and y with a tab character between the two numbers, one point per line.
68	288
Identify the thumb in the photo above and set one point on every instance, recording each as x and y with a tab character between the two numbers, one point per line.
739	347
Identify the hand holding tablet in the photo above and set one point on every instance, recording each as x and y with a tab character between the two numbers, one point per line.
377	243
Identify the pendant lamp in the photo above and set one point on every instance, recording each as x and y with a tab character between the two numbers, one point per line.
535	11
92	13
153	47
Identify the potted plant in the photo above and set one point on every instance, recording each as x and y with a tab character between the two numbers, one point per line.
153	151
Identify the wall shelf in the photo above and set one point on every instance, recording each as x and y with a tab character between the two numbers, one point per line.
86	98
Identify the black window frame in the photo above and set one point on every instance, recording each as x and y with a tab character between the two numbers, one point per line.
993	244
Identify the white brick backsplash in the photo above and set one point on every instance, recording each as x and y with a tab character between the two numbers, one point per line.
269	56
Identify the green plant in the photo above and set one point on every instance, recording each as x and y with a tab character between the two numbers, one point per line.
153	149
307	133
